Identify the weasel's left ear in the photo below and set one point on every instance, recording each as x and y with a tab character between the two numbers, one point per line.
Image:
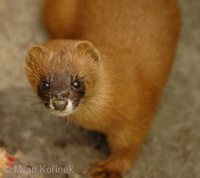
34	54
88	49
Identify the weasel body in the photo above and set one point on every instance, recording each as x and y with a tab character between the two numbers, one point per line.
112	81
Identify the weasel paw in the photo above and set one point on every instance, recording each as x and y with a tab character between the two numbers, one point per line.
102	171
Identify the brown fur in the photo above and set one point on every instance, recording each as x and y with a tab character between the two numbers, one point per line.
136	41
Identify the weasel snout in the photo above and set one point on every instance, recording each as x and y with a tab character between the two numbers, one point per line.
59	104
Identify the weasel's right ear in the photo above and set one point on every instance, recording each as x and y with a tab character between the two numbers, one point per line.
88	49
34	53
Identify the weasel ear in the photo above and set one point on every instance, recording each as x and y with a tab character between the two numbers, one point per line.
35	52
88	49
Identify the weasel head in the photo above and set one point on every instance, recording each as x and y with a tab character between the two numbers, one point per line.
63	74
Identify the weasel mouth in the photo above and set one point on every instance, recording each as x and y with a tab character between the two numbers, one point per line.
58	105
61	107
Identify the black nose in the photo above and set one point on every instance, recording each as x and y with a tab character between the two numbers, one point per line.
59	105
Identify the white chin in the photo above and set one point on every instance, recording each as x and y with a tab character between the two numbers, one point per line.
62	113
68	110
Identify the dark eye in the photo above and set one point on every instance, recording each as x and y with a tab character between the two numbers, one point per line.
45	86
76	84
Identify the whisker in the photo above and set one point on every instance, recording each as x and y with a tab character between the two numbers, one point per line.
46	114
35	103
63	123
59	122
29	96
68	122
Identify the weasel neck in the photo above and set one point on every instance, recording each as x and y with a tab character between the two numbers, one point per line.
97	104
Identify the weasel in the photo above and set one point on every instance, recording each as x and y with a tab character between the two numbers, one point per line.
105	67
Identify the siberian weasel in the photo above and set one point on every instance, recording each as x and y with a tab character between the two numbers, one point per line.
108	70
